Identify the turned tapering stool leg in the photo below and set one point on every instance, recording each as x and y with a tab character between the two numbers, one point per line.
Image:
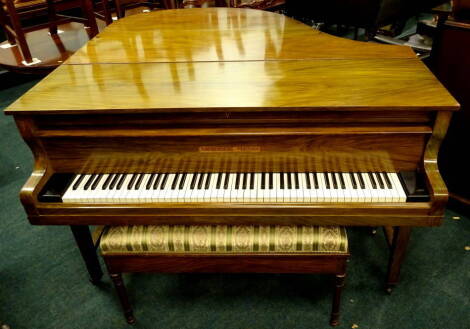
122	294
339	284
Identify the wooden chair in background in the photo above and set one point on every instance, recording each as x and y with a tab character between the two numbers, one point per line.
12	12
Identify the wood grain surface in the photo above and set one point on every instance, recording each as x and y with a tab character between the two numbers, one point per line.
227	59
335	85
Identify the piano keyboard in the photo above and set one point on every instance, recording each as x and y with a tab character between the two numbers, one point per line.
235	187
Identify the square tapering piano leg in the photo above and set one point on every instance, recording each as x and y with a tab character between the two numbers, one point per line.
401	237
84	241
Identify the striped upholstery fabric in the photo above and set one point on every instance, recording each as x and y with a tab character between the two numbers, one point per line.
193	239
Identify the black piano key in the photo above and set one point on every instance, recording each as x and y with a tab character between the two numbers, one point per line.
164	181
335	183
353	180
237	181
252	181
387	180
157	181
263	181
175	181
107	181
182	180
193	181
372	180
327	180
307	180
341	181
227	178
149	182
96	182
282	180
200	181
208	181
114	181
296	178
271	180
132	181
245	180
139	181
89	181
289	181
121	181
361	181
77	183
315	180
379	179
219	181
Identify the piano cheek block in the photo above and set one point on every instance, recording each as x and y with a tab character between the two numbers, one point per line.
55	188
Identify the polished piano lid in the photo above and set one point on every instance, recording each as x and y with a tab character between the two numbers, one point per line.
225	59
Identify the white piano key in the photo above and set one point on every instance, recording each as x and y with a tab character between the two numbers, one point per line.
348	191
399	188
312	194
69	194
358	191
395	189
304	193
369	195
386	192
98	193
212	194
251	195
82	195
333	191
220	190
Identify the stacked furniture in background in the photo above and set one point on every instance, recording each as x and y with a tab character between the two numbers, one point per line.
450	61
367	14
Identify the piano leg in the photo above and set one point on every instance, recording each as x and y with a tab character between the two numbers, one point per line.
401	236
82	236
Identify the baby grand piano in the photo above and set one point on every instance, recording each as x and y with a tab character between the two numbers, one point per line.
234	116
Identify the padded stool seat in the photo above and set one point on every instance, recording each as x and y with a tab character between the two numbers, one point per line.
223	239
225	248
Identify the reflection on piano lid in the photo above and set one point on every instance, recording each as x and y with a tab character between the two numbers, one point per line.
242	187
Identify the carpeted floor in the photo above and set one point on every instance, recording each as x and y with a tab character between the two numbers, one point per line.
43	283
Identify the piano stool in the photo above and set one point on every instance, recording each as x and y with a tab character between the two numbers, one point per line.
227	249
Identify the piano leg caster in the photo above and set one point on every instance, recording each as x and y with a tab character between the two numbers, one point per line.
95	281
389	289
130	319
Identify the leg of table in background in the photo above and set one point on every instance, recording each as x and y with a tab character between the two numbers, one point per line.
339	284
122	294
170	4
107	12
120	11
82	236
3	23
87	7
401	236
20	35
52	16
